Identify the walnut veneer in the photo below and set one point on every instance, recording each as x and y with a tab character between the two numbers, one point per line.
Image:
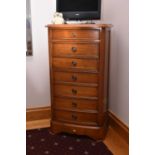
78	59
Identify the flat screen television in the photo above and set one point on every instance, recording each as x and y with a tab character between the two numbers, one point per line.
79	9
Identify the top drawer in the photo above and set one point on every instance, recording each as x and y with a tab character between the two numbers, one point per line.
74	34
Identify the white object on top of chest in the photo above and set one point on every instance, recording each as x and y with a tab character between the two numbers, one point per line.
58	18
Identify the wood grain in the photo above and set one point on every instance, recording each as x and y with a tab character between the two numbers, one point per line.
77	91
38	117
36	124
119	126
75	77
75	117
75	104
92	131
38	113
79	26
76	50
79	76
75	34
116	143
81	64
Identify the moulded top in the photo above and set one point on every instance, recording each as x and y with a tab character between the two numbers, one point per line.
81	26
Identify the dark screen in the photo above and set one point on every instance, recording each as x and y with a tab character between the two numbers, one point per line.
77	5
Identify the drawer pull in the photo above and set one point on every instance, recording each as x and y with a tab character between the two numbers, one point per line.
74	117
74	91
74	63
74	78
74	104
73	34
74	49
74	130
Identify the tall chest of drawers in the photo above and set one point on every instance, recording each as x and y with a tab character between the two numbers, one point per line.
78	59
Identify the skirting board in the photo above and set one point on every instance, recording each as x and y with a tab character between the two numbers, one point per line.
38	118
118	126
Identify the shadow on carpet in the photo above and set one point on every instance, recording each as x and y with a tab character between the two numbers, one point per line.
43	142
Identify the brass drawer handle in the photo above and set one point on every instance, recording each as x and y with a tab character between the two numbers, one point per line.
74	117
74	105
74	91
74	78
74	130
74	63
74	49
73	34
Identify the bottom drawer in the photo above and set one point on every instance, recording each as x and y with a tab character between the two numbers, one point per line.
76	117
95	132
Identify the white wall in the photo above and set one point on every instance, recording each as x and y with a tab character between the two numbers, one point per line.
37	67
116	12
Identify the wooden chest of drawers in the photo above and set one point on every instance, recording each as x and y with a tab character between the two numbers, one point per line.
78	59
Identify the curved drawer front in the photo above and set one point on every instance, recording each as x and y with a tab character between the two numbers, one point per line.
78	129
75	77
69	63
75	104
74	116
75	91
84	50
74	34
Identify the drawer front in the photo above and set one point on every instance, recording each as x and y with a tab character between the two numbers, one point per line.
85	50
73	104
68	63
74	34
60	115
75	91
75	77
95	132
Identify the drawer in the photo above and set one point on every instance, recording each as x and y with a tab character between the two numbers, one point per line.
75	104
74	34
83	50
60	115
69	63
95	132
75	91
75	77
